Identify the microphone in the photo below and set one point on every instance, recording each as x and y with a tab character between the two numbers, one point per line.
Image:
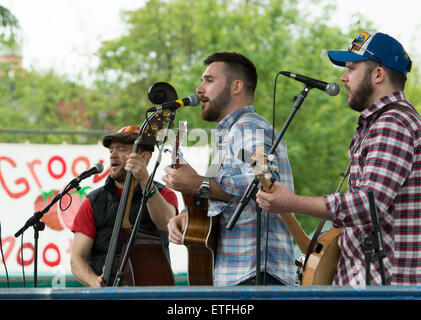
192	100
331	88
39	214
98	168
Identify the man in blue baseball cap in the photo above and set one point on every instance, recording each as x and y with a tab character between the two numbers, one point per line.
385	158
376	46
374	50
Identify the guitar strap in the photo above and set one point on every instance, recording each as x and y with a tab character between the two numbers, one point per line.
216	163
219	155
344	175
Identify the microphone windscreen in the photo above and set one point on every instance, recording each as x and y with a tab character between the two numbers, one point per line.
100	167
332	89
194	100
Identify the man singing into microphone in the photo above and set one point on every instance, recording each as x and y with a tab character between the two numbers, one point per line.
385	155
94	222
227	94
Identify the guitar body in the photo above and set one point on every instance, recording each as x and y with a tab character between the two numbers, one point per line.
201	238
201	231
322	262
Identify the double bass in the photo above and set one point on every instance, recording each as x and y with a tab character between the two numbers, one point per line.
147	263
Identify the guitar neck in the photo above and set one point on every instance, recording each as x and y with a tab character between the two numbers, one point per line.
300	237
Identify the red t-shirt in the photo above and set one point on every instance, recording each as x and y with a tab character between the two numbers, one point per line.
84	220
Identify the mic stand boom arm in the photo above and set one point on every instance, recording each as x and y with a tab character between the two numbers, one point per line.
35	221
252	188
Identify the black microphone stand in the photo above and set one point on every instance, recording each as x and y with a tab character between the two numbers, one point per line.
38	225
374	241
251	190
146	196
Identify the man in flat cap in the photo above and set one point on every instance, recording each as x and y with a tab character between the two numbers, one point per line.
94	222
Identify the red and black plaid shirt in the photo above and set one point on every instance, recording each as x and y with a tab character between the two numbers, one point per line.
388	162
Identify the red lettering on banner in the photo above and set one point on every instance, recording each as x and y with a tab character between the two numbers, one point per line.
51	246
63	171
69	249
19	181
99	177
11	241
31	169
26	245
75	162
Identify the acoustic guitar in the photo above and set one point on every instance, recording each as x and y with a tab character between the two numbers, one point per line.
201	232
321	264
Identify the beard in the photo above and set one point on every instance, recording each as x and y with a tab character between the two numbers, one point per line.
215	106
119	176
361	96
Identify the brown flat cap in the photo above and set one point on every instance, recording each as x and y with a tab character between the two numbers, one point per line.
126	135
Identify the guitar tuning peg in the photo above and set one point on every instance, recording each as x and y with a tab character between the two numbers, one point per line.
272	167
257	170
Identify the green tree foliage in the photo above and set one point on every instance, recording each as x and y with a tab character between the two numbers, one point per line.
30	99
9	26
34	100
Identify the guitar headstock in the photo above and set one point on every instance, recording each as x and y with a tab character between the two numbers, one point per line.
262	166
155	123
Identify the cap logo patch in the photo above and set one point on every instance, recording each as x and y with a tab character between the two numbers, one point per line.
359	41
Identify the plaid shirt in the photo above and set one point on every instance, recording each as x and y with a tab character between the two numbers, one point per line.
388	162
236	252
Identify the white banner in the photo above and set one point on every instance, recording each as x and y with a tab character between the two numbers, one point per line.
30	177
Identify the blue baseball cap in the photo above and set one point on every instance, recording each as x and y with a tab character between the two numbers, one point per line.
376	46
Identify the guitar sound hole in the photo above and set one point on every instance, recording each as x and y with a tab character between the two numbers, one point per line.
319	248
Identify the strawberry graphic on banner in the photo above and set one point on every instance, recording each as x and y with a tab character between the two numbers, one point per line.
50	218
70	205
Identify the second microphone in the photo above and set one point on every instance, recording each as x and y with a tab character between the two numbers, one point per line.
192	100
331	88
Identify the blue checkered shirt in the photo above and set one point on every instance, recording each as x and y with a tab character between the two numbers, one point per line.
236	252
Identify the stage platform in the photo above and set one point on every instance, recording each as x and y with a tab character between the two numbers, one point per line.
184	302
215	293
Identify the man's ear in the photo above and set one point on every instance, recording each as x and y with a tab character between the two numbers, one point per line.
237	87
378	75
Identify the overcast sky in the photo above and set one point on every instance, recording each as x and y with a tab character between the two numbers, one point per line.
64	34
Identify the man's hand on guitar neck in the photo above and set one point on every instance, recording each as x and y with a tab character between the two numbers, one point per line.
284	200
186	180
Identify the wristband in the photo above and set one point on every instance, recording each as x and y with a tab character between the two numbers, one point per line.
153	191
